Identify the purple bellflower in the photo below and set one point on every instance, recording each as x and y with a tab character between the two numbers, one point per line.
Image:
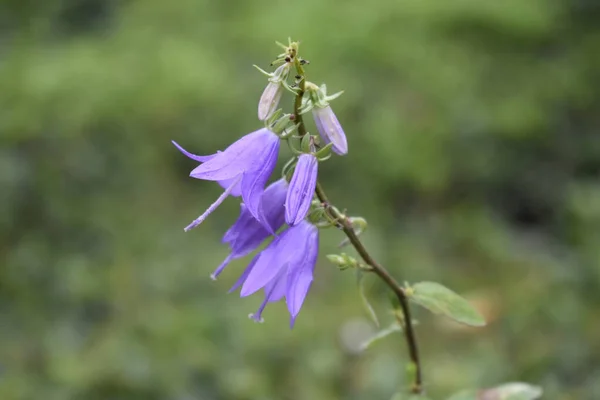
302	188
330	129
236	191
284	269
243	169
246	234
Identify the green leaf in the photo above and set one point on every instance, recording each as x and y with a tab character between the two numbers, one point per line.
440	300
508	391
361	291
380	335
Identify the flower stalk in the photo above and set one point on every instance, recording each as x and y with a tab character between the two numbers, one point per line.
347	227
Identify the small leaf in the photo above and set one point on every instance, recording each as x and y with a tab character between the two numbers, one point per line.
380	335
440	300
508	391
363	297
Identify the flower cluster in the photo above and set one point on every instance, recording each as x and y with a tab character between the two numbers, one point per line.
280	211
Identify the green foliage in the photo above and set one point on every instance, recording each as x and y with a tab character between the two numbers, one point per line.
440	300
382	334
360	278
473	153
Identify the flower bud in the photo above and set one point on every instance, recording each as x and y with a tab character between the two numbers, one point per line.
301	189
272	94
330	129
269	100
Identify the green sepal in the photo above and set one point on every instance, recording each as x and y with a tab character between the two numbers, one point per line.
288	168
306	143
334	96
324	153
262	71
280	125
289	131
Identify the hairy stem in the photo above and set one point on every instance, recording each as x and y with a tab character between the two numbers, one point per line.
346	226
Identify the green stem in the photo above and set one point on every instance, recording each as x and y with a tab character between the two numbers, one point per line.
346	225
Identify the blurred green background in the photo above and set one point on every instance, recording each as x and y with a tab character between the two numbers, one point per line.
474	154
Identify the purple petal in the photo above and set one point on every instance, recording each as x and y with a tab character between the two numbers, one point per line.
254	181
273	204
193	156
266	268
277	287
238	158
330	129
274	291
238	226
302	189
283	249
300	275
245	274
236	190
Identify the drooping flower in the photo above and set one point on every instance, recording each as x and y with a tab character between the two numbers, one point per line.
284	268
269	100
330	129
302	189
236	191
244	167
246	234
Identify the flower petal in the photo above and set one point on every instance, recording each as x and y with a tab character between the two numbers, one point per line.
268	264
283	249
300	275
302	189
239	157
274	291
236	191
193	156
245	274
253	182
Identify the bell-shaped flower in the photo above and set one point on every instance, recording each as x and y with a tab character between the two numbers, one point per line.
302	188
330	129
284	268
272	94
244	166
236	191
246	234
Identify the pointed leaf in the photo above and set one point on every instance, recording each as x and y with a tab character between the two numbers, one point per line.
440	300
363	297
380	335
